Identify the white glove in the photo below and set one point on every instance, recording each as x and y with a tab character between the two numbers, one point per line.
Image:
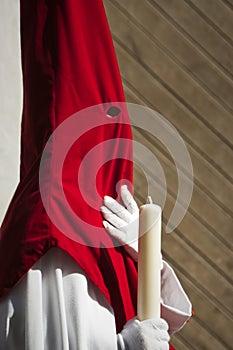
122	221
150	334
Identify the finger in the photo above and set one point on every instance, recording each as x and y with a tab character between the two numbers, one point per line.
164	336
128	200
112	218
115	232
160	324
118	209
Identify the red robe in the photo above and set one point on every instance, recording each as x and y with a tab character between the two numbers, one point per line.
68	64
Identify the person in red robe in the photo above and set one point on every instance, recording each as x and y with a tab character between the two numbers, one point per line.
68	64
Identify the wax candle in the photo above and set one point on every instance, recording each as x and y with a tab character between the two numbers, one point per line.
149	262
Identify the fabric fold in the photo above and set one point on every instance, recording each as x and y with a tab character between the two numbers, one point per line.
56	306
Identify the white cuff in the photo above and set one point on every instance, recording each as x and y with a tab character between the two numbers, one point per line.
176	307
120	342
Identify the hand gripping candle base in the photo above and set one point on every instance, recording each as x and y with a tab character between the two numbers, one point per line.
149	262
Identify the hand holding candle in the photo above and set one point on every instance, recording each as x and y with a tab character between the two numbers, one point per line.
149	256
149	269
118	223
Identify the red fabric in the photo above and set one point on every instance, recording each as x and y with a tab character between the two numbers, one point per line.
68	64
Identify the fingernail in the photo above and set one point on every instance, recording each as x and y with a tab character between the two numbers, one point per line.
124	187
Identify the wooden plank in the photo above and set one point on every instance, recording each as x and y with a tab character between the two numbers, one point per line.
198	269
201	273
200	338
211	327
219	15
195	233
213	183
207	178
192	130
180	344
205	337
207	143
228	3
207	313
211	216
179	83
201	282
211	42
177	46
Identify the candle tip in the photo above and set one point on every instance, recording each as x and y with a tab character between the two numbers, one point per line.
149	200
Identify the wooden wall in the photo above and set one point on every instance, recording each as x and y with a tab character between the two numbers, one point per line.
176	56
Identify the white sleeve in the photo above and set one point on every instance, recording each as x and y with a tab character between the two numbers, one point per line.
176	307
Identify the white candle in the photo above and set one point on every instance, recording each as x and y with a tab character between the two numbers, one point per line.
149	262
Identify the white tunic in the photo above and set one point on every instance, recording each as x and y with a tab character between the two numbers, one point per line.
56	307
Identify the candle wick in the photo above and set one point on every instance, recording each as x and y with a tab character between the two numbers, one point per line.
149	200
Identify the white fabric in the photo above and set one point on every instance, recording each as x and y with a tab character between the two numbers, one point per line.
56	307
10	101
176	307
145	335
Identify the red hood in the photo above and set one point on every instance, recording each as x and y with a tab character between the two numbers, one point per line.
69	64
